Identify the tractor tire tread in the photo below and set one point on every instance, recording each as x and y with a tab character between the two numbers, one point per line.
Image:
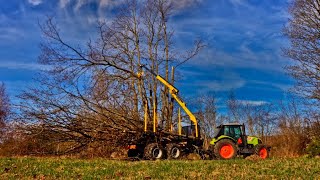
257	149
218	145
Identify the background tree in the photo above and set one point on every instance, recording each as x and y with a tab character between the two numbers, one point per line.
303	31
233	108
206	113
292	133
4	115
4	107
92	94
260	119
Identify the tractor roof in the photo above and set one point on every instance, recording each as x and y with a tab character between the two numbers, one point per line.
230	124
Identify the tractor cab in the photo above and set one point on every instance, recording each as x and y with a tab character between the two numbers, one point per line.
234	131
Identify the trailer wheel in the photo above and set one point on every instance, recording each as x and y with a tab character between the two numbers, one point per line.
173	151
262	151
225	149
153	151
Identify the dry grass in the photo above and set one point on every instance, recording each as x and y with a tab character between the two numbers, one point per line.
66	168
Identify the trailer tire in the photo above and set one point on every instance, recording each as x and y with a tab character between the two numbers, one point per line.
225	149
262	151
153	151
173	151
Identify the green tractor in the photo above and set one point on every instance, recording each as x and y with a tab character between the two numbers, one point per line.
231	140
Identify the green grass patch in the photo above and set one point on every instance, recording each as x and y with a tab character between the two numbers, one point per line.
57	168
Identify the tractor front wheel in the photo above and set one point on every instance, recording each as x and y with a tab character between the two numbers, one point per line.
153	151
262	151
225	149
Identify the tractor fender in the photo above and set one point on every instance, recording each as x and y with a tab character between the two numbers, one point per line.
253	140
215	140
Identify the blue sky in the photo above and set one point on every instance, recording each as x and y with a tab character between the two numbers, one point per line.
243	36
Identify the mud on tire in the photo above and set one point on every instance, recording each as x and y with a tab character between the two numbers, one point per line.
173	151
153	151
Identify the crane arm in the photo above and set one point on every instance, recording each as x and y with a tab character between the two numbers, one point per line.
174	92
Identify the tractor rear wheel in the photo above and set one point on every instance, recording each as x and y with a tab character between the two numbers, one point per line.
173	151
153	151
262	151
225	149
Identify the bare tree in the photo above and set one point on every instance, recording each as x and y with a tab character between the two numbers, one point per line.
93	93
261	119
4	106
292	134
233	107
207	114
303	30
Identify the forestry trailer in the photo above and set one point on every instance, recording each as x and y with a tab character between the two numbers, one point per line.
230	140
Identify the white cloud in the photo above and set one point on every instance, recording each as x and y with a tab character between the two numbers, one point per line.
63	3
109	3
112	3
35	2
225	85
252	103
227	81
81	3
26	66
243	41
11	34
244	56
211	79
241	4
3	18
237	2
185	3
282	86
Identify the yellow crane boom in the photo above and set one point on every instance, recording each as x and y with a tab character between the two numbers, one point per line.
174	92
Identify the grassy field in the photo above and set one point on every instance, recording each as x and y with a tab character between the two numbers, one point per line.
56	168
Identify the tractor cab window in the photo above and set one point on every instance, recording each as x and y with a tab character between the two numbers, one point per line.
237	132
232	131
227	131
